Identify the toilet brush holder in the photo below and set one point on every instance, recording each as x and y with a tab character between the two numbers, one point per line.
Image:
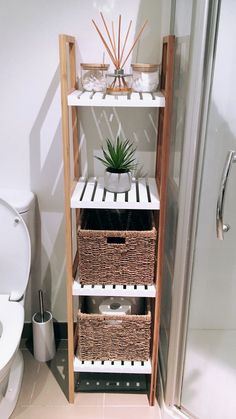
43	334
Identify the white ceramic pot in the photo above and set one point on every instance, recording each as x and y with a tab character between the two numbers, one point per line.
117	182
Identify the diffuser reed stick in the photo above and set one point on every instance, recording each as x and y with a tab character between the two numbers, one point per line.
116	52
127	34
135	42
109	36
105	44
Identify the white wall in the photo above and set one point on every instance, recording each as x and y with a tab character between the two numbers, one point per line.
30	115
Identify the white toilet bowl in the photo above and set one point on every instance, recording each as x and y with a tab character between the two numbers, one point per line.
11	321
11	361
15	261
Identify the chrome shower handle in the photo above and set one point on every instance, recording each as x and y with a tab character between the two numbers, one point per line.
222	228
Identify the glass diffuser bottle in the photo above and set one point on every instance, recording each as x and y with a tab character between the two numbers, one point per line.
119	83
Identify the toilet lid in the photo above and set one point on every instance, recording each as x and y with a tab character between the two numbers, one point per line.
15	252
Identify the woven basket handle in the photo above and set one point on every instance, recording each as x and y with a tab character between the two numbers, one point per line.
112	322
116	240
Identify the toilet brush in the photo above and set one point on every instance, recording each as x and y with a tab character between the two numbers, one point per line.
43	333
41	306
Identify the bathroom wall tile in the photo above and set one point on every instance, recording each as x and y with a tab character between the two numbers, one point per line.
130	412
125	399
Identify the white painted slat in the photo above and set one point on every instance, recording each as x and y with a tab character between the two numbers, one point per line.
143	197
75	199
109	197
99	191
153	190
126	367
85	96
118	290
120	197
87	197
109	202
132	194
78	99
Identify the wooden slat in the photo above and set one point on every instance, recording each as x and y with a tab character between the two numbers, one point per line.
161	178
152	188
99	191
120	197
118	290
78	98
88	195
77	193
132	194
63	40
116	367
143	196
109	197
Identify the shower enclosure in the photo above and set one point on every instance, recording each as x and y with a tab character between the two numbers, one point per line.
199	340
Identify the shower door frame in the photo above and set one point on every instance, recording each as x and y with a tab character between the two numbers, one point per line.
202	52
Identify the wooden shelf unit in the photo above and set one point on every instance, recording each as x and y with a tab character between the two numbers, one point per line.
89	193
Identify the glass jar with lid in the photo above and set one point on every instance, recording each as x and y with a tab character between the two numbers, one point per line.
145	77
93	77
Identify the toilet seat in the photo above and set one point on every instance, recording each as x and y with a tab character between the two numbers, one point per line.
12	321
15	252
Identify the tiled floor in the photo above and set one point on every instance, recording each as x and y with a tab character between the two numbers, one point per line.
42	396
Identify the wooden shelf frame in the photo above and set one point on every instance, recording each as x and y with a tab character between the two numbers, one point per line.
70	106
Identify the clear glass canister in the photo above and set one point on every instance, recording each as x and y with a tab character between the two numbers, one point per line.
93	77
145	77
119	83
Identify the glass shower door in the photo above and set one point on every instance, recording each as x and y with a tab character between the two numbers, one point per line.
209	379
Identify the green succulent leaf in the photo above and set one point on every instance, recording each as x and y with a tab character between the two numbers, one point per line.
118	155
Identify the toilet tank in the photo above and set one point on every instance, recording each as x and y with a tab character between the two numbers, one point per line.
24	202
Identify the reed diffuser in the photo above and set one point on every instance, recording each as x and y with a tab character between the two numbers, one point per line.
118	83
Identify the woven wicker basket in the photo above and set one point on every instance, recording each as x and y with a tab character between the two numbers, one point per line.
117	247
111	337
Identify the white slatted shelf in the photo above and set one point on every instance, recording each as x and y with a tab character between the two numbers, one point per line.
123	367
90	193
114	290
145	100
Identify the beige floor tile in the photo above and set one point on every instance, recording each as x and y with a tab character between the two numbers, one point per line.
124	399
62	344
58	412
89	399
51	386
131	412
31	371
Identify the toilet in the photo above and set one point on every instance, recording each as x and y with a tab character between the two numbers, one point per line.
17	241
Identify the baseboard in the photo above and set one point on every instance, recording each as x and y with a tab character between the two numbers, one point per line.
60	330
